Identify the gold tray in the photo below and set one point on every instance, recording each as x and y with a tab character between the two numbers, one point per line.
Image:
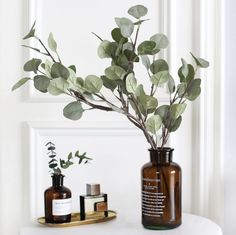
75	220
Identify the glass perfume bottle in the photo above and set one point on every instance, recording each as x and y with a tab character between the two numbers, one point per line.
94	204
161	191
57	200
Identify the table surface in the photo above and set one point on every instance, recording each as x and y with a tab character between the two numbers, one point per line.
192	225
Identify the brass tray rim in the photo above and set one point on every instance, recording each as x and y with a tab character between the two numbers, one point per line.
111	215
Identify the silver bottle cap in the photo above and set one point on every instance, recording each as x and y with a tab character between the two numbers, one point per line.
93	189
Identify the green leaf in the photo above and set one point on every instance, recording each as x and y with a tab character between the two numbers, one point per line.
31	32
52	43
20	83
41	83
117	36
140	91
200	62
53	165
158	66
51	148
131	83
65	164
138	11
161	41
48	65
58	86
142	99
175	125
146	48
190	75
108	83
160	78
181	89
71	72
105	49
176	110
32	65
163	111
131	56
70	156
153	124
171	85
73	111
184	68
52	156
126	26
43	66
145	61
115	72
193	90
151	103
128	46
122	61
57	171
76	84
73	68
53	160
59	70
93	84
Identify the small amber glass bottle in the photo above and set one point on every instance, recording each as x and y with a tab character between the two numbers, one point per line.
161	191
57	201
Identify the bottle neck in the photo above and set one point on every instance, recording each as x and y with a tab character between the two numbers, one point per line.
57	180
161	155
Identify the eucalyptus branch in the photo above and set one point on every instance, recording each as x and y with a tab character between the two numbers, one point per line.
136	38
122	100
149	137
42	72
48	53
174	98
137	111
165	136
35	49
143	126
152	88
103	98
148	116
56	165
58	57
81	98
134	120
97	36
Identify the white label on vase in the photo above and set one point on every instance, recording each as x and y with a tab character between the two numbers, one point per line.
61	206
153	201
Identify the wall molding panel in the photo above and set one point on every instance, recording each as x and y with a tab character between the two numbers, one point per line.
41	132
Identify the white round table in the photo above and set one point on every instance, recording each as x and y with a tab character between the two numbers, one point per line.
191	225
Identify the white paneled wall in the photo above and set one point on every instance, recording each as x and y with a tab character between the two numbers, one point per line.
230	125
29	120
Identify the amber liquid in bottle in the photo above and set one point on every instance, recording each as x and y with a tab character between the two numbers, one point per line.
161	191
57	201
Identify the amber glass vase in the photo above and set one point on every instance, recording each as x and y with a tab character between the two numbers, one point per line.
161	191
57	201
